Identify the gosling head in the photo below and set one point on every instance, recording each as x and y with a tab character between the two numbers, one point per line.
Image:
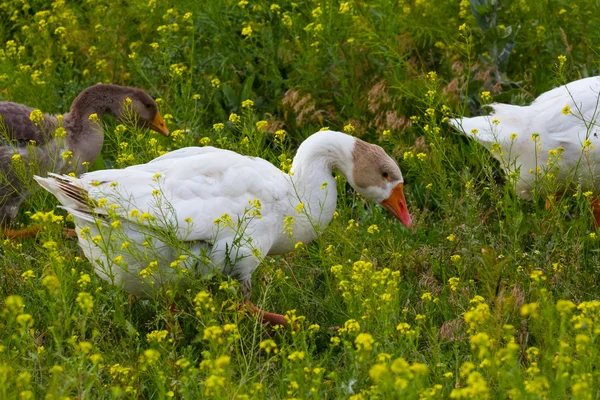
145	109
377	177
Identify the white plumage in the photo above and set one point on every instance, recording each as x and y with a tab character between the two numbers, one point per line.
153	224
564	118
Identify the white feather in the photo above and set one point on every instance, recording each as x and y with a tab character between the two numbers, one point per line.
556	130
146	225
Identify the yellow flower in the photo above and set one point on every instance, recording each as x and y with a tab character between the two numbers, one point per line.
84	280
50	282
94	117
296	356
455	257
486	97
565	306
157	336
530	309
269	346
453	282
537	276
247	104
280	135
212	382
364	342
373	229
287	20
261	126
234	118
352	224
85	301
400	365
28	274
213	333
25	320
36	117
377	371
150	356
56	369
566	110
349	129
247	30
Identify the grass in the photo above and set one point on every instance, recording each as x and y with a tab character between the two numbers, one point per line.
489	297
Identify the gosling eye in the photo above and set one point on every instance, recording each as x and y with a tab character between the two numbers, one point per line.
385	175
148	106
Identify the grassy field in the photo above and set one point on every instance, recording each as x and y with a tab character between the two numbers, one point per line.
489	296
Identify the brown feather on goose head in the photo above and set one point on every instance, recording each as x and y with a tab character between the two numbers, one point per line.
377	176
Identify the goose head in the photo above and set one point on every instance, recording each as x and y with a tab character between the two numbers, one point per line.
145	110
377	177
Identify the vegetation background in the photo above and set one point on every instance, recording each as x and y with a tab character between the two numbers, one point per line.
489	297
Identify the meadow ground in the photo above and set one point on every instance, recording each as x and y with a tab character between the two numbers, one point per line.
488	297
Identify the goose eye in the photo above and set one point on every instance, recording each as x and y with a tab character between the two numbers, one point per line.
385	175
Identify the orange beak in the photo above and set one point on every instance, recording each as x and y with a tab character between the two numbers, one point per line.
158	125
396	204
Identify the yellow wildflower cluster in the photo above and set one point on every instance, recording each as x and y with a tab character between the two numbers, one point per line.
367	289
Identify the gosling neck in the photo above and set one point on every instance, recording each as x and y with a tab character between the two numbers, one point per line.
83	123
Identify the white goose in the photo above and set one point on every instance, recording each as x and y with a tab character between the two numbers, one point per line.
201	210
566	121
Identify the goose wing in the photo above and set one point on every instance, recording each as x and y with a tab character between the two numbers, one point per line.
185	192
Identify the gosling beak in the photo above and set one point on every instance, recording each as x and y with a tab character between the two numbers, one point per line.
396	204
158	125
